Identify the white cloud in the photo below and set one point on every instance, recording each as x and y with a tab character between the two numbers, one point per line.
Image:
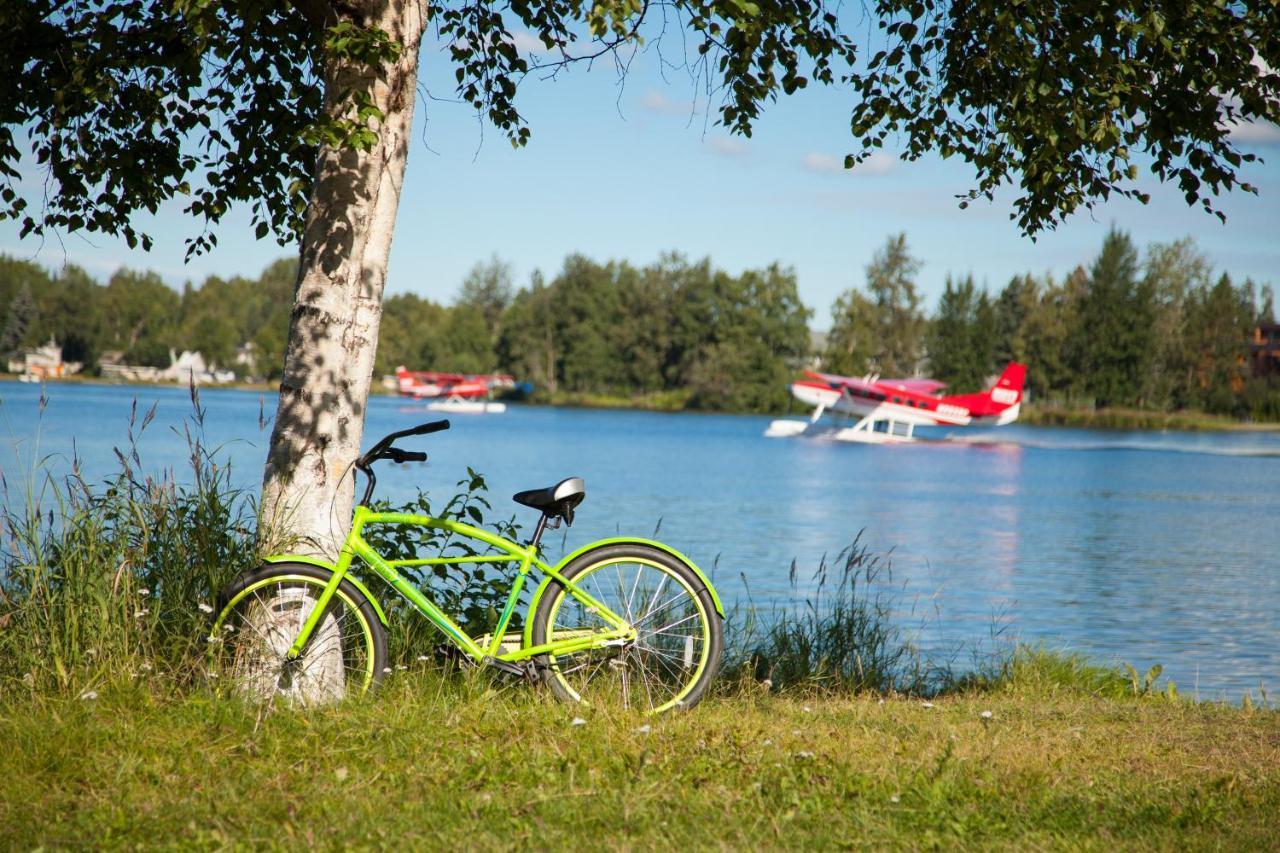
823	164
1254	132
879	163
527	42
655	102
728	146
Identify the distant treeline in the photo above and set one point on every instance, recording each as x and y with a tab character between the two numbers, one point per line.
137	314
1160	331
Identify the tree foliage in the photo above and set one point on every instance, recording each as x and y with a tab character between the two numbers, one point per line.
127	104
883	330
962	337
1068	97
1159	334
22	311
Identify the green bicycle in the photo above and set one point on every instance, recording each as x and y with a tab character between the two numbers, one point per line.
622	619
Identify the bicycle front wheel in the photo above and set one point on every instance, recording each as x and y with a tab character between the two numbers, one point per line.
679	635
263	613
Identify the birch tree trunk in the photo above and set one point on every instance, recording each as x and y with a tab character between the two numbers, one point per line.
307	490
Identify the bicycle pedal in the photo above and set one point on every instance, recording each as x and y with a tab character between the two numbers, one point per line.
505	666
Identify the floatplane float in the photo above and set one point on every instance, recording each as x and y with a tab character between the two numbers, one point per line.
887	411
459	393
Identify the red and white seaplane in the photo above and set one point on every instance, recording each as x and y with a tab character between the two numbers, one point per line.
453	392
887	411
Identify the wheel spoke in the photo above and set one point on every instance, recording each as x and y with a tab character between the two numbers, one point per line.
668	653
337	660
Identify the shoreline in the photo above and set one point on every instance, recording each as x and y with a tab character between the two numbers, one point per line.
676	402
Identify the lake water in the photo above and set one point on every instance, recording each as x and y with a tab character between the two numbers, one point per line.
1133	547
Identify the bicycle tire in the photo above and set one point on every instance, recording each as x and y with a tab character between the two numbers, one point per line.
663	669
259	616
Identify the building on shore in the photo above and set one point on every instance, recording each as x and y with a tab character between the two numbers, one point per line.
185	368
1264	350
43	363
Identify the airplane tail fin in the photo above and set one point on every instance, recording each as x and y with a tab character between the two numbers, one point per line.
1007	392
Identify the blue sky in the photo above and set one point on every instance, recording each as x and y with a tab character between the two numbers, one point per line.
631	171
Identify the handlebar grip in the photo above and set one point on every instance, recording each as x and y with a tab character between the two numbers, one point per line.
423	429
399	456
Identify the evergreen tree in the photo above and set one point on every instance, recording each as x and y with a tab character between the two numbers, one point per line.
1175	272
1267	305
488	288
961	337
851	343
1220	321
884	330
1013	310
22	310
901	324
1115	325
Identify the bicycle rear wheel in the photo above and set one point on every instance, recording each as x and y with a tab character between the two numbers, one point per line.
676	653
263	613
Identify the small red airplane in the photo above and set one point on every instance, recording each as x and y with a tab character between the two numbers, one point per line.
889	410
433	384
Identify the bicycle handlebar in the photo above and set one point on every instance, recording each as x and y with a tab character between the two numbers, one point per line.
399	456
383	450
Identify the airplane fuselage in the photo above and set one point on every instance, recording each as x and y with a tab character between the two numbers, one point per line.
884	402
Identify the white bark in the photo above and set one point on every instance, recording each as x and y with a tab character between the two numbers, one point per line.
307	491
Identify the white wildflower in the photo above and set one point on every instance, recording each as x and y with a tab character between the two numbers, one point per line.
204	608
144	591
807	709
986	715
895	798
401	666
138	614
577	721
926	704
386	670
645	729
803	755
145	667
423	657
91	652
89	695
767	742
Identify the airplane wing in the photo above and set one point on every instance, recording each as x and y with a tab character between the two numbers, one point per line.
836	381
915	386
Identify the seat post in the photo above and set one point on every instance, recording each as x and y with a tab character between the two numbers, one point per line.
537	531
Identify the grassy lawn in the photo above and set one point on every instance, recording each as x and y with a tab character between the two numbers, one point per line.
434	762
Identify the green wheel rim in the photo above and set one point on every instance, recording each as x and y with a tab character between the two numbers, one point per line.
629	611
218	635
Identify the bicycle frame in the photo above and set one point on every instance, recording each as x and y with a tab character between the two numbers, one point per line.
619	630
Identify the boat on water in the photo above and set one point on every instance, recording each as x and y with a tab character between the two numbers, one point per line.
463	406
872	410
461	393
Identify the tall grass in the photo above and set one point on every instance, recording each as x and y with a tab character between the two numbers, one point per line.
842	637
116	577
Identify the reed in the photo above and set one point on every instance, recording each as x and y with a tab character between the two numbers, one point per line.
840	636
109	579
